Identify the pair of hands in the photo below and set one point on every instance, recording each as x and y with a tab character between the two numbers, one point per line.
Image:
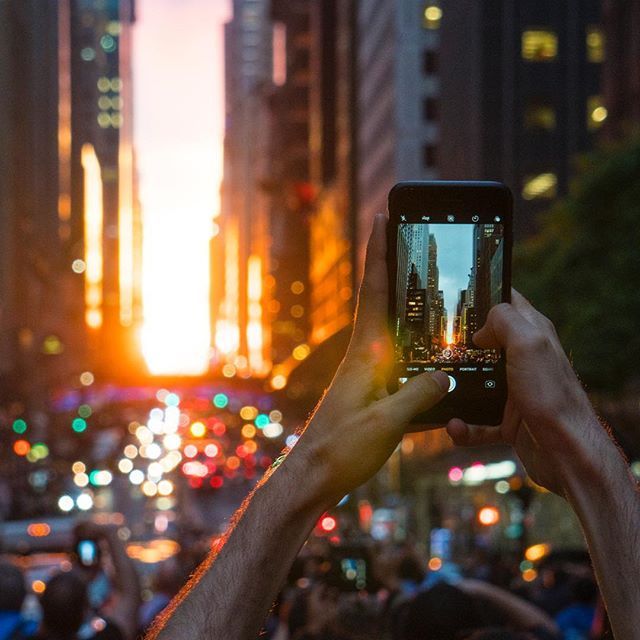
357	425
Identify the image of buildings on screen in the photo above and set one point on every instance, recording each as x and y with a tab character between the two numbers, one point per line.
449	276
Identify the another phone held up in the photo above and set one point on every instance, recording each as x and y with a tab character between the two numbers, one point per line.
449	256
88	552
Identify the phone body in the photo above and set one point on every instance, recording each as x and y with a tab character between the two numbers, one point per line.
349	568
88	552
449	261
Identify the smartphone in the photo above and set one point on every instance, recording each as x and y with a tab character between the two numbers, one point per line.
449	262
348	568
88	553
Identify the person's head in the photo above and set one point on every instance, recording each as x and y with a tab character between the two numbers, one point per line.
64	604
356	618
440	613
12	587
500	633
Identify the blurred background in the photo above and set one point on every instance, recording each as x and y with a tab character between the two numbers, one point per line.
186	191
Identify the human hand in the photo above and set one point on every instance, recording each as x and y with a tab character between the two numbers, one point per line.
357	425
548	418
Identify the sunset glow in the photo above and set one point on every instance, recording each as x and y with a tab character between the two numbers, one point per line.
93	222
178	95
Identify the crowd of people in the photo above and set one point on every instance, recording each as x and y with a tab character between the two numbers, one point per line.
549	422
399	598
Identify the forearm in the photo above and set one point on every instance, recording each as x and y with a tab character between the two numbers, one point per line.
231	592
127	582
605	497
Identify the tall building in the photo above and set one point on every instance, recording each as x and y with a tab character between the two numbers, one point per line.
104	226
395	83
413	258
519	95
332	166
33	332
458	89
293	195
70	231
621	67
241	334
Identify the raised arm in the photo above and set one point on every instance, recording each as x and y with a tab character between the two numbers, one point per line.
354	429
557	435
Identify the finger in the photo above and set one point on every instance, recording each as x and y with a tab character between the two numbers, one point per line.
416	395
371	313
472	435
504	325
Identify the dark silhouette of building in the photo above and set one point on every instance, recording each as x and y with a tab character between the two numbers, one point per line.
520	95
621	67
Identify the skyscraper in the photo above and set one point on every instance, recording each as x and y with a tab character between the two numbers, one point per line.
241	335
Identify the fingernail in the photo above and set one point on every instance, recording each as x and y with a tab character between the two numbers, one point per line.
442	379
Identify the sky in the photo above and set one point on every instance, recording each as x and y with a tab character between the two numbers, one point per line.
178	71
455	259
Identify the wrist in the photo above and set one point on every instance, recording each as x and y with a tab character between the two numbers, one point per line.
296	480
591	460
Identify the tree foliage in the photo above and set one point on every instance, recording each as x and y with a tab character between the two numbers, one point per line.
582	269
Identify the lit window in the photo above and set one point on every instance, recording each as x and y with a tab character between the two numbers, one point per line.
596	112
539	45
542	185
279	54
538	115
431	16
595	45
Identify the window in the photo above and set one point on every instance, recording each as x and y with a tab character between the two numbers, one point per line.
540	115
429	156
430	109
279	43
539	45
430	62
595	45
541	185
596	112
431	16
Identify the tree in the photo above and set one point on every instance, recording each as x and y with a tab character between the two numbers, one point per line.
583	268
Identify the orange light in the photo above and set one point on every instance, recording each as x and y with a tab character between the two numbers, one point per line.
488	516
279	381
198	429
93	224
233	462
536	552
227	338
21	447
255	340
38	586
529	575
39	530
435	564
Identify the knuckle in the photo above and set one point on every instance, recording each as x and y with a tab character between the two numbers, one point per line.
532	342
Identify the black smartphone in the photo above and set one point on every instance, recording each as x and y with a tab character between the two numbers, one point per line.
348	568
88	552
449	258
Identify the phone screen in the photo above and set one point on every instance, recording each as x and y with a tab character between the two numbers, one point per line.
449	272
449	276
87	551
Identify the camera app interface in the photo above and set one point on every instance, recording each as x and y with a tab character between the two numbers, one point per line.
449	276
